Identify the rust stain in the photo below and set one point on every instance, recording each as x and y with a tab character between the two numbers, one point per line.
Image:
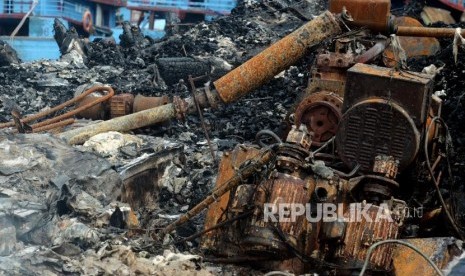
230	162
121	105
440	250
373	14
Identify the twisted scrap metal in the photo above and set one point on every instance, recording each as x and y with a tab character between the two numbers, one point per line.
63	119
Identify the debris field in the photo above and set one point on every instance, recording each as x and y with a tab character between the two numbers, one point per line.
181	155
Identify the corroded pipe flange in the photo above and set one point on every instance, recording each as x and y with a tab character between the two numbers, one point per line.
320	113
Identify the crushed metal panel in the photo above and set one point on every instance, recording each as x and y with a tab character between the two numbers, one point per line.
374	14
141	176
440	250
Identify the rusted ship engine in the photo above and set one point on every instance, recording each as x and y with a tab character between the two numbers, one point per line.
363	129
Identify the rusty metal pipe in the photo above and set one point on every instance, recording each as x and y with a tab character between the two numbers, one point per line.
144	118
230	87
427	32
276	58
125	123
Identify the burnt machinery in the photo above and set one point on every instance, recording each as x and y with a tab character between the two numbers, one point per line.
363	123
344	16
381	126
357	128
355	132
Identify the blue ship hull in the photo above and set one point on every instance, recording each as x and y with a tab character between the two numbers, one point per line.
35	39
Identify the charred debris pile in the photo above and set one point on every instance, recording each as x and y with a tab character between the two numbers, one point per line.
94	187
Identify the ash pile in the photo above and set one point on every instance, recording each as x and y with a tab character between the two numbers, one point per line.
152	157
53	233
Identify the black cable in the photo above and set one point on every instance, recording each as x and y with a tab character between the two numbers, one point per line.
269	133
373	246
430	169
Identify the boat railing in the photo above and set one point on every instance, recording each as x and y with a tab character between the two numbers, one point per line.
15	7
55	8
74	10
206	6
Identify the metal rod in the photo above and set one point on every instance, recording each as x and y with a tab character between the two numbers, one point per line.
373	52
436	163
21	23
199	110
54	125
97	100
235	260
124	123
42	114
427	32
219	225
264	158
